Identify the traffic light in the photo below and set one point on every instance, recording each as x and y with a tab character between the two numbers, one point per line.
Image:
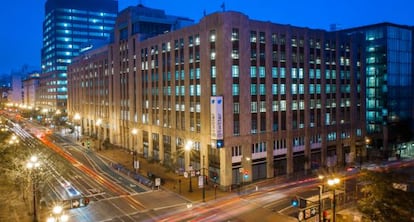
295	202
246	174
298	202
220	143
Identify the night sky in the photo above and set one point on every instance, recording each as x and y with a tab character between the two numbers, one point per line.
21	20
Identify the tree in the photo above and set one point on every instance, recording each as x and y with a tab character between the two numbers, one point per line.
381	201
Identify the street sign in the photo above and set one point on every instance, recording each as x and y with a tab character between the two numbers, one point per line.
157	181
200	181
307	213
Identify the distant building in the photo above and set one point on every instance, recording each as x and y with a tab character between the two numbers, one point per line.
16	91
69	25
389	84
30	87
247	97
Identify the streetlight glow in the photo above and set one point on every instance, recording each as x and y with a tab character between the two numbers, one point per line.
188	145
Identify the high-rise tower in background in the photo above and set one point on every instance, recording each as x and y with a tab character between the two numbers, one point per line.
69	26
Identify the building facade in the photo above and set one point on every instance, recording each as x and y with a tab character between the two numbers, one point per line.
389	85
30	86
68	26
229	97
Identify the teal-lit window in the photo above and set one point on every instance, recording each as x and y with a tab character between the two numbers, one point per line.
182	75
213	72
253	89
328	88
235	71
198	90
318	88
294	88
213	89
327	74
198	73
274	89
274	72
311	73
191	73
318	74
282	72
311	88
300	73
293	73
262	72
253	71
177	90
282	89
177	75
235	90
262	89
192	90
301	89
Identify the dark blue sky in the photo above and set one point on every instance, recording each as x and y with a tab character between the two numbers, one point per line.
21	20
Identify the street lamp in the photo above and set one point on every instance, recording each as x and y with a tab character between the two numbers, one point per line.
333	182
32	165
134	152
98	136
77	117
58	215
188	147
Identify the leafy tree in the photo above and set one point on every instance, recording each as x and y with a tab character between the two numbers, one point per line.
381	201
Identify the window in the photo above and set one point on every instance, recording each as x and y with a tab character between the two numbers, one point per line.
235	71
253	107
236	107
274	89
213	72
262	72
274	72
235	90
262	89
253	89
253	72
235	34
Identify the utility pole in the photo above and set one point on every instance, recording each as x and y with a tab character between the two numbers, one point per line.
204	180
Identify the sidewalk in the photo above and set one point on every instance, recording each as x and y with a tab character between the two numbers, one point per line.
170	180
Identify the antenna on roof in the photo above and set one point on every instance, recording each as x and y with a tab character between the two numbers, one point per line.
223	6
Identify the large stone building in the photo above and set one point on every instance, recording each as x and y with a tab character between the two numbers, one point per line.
248	97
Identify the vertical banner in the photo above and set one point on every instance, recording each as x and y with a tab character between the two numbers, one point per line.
216	118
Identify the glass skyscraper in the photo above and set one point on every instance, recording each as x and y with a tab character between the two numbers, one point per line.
389	82
69	26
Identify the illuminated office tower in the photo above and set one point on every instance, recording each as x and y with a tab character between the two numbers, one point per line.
68	26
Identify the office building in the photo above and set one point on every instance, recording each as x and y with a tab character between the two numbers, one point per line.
230	97
30	87
389	86
69	25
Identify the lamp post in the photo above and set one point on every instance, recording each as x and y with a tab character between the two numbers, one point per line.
134	156
58	215
204	180
333	182
188	147
77	117
98	136
32	165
